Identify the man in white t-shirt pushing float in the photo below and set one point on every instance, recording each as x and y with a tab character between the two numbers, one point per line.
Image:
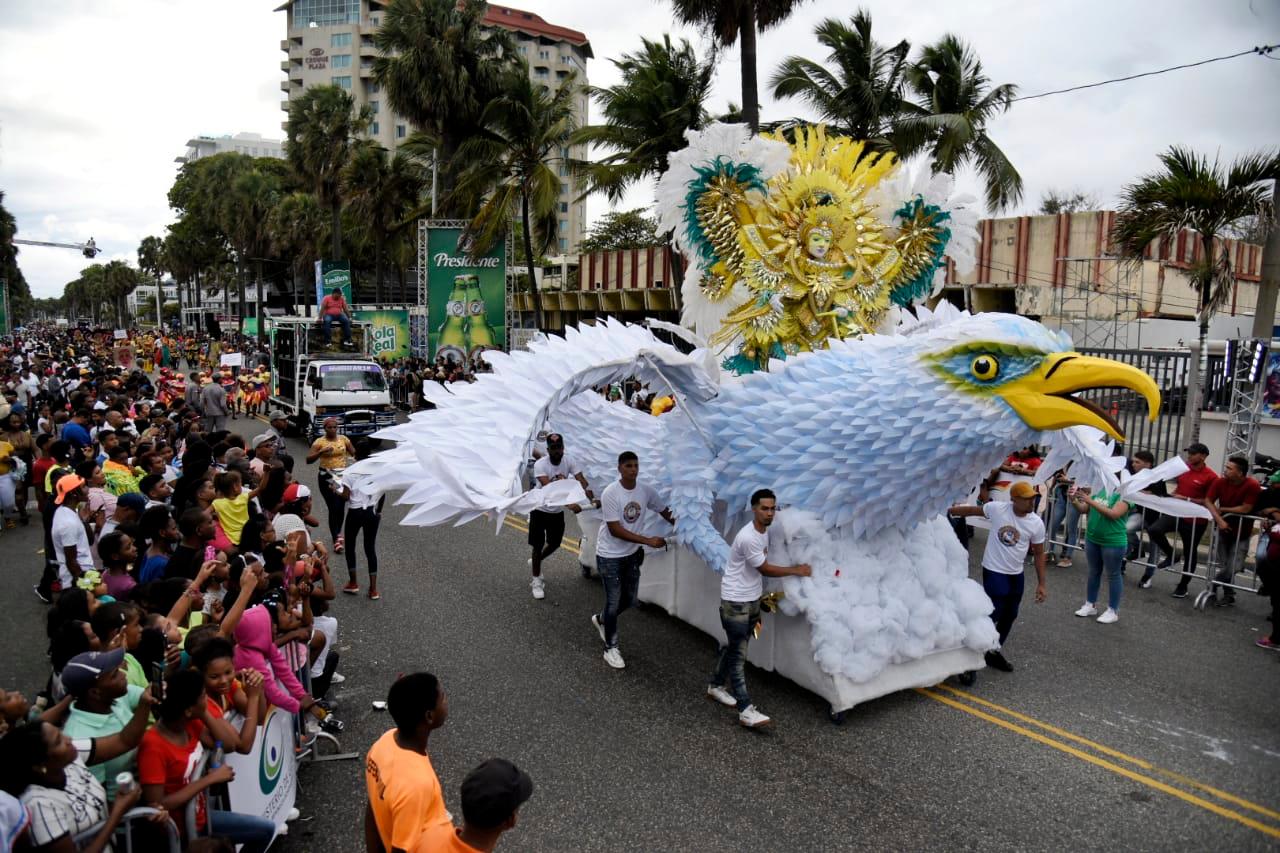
546	527
624	509
1015	529
740	590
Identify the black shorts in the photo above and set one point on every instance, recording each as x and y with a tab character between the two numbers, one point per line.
546	528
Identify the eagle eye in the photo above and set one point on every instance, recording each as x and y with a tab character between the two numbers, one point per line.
984	367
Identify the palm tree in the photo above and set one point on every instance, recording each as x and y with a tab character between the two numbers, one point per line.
299	228
321	136
729	21
955	105
152	262
864	93
440	66
382	190
512	165
118	281
248	205
1194	193
663	93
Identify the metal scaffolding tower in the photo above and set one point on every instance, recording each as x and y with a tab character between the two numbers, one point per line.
1245	366
1092	303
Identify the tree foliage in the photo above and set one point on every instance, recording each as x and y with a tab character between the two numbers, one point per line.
663	93
1055	201
939	103
622	229
1192	192
732	22
440	67
513	163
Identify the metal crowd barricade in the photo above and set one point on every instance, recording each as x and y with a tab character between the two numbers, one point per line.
125	831
308	742
1220	566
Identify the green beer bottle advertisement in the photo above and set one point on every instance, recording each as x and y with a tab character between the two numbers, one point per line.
480	335
453	331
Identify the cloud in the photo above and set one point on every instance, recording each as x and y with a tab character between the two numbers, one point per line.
89	139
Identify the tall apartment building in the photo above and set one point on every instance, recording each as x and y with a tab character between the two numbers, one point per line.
331	42
252	144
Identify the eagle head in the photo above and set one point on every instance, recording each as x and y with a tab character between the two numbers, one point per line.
1033	372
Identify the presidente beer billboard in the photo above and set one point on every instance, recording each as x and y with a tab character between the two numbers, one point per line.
466	296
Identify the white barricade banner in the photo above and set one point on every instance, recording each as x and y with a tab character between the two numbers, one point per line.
266	780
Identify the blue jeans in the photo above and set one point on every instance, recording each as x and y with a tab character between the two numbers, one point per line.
621	576
1005	592
253	831
1063	509
1111	558
342	319
737	619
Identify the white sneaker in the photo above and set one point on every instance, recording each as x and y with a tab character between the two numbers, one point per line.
1108	617
719	694
1087	610
752	719
595	620
538	588
338	678
613	657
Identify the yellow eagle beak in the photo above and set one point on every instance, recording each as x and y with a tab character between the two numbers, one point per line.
1043	398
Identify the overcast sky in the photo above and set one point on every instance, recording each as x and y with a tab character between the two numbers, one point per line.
99	96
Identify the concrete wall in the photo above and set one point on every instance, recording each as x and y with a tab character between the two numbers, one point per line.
1052	265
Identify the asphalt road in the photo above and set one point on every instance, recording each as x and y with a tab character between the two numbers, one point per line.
1156	733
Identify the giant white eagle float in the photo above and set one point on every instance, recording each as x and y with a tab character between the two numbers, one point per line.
807	375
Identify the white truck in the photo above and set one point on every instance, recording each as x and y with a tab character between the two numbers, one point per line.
313	379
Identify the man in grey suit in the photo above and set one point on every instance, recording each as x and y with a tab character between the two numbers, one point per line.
192	393
213	406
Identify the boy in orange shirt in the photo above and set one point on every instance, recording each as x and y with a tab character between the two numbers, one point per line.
405	799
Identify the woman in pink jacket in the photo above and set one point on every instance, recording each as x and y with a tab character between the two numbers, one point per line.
256	649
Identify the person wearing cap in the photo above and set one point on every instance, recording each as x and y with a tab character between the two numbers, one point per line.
264	450
1192	485
546	527
72	529
1015	530
492	795
104	704
279	425
295	509
1105	541
405	798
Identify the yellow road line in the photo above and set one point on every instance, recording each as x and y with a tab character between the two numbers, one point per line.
1114	753
1106	765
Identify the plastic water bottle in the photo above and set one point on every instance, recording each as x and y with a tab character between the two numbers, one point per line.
124	783
219	756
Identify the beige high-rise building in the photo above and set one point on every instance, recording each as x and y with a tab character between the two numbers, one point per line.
331	42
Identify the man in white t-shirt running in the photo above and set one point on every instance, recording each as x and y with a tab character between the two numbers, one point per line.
546	527
740	590
1015	529
624	509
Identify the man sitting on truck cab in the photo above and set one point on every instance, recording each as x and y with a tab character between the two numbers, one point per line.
334	309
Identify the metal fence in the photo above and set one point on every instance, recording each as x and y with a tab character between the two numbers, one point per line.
1171	372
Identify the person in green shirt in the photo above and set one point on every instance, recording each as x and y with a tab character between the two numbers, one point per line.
1105	541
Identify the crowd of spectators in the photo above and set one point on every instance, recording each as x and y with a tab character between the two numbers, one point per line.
1117	533
186	596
